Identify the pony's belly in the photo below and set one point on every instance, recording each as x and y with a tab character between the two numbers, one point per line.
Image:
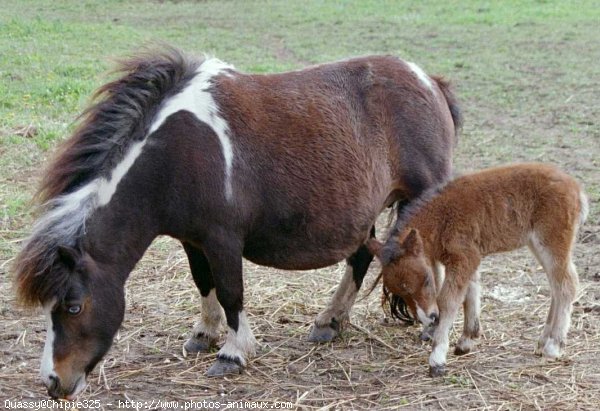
304	250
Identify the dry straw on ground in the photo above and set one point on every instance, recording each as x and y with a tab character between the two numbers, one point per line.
375	364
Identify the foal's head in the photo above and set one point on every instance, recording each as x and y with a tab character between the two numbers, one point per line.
84	309
407	277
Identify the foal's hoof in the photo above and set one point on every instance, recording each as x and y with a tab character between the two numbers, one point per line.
437	371
224	366
427	333
199	343
324	333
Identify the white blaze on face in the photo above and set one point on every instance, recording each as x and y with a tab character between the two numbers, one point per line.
47	366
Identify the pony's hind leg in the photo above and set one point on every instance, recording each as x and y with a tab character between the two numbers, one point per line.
472	308
206	332
226	266
555	257
329	322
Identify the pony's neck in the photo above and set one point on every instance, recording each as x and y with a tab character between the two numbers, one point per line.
118	234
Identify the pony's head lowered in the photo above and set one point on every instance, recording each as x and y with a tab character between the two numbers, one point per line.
82	297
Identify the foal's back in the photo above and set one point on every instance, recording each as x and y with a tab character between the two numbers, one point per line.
504	208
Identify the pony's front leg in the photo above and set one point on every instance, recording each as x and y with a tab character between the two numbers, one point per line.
226	266
206	331
330	321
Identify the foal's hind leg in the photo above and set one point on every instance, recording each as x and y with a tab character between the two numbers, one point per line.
472	308
206	332
329	322
554	254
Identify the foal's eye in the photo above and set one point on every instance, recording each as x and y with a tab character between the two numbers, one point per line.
74	309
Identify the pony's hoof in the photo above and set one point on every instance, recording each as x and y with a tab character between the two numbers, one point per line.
199	343
224	366
437	371
324	333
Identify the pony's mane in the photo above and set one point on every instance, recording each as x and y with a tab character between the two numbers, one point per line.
120	115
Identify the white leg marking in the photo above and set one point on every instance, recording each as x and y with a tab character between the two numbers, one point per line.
211	316
241	343
423	77
47	366
197	99
440	341
342	301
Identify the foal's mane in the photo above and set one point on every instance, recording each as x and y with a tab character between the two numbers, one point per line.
120	114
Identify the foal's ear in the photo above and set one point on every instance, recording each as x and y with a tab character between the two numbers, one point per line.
413	244
374	246
68	256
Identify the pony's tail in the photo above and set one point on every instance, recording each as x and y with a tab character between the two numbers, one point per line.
452	102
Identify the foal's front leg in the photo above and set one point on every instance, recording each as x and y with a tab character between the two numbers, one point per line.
329	322
449	299
226	266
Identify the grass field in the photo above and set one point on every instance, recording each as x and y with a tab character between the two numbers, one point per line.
528	75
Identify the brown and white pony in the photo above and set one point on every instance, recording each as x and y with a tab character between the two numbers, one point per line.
440	239
287	170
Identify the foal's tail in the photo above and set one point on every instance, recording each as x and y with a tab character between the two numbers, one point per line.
452	102
584	207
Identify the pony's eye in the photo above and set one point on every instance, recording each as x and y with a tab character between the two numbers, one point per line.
74	309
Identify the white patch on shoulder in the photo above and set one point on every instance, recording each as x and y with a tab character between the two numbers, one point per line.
67	213
47	366
197	99
423	77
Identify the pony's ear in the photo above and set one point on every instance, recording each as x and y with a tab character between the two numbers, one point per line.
68	256
374	246
413	244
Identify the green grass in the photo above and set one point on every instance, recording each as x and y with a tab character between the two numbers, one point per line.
526	71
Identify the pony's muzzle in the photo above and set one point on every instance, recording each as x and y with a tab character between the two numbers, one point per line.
56	390
53	385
